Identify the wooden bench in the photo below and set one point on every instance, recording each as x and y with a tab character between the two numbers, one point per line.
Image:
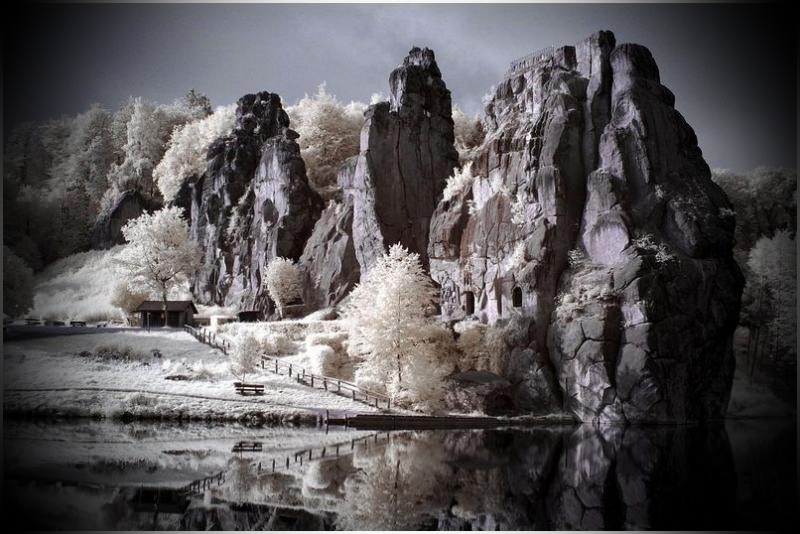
242	388
247	446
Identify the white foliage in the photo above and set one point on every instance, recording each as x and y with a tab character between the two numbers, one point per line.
245	357
79	287
188	147
17	285
458	182
127	300
647	243
160	255
774	262
282	279
481	347
385	318
468	134
329	133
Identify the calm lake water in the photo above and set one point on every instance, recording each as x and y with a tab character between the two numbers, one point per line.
82	476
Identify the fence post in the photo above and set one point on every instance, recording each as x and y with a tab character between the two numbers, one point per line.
273	465
354	394
376	402
325	384
387	403
290	369
276	366
338	386
312	381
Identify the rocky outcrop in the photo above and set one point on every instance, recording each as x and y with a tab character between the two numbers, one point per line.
107	230
407	152
593	221
479	391
252	204
329	265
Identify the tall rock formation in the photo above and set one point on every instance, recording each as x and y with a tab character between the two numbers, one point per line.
251	205
593	224
407	153
390	190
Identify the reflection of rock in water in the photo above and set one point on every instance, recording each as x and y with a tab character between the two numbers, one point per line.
593	478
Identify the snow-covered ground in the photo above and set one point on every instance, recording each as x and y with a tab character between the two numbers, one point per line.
51	376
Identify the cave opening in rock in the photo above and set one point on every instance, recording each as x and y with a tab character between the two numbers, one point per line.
516	297
469	302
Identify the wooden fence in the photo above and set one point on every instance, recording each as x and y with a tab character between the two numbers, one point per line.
209	338
284	463
328	383
275	365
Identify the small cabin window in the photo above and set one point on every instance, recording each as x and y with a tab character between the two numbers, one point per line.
469	300
516	297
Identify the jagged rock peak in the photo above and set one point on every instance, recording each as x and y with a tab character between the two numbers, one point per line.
407	152
252	204
417	85
260	114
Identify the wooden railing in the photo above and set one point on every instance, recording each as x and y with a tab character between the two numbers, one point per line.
209	338
328	383
275	365
291	460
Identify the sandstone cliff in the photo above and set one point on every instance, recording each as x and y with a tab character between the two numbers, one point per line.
407	153
390	190
593	224
252	204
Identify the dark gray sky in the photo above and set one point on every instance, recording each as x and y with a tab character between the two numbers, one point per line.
732	69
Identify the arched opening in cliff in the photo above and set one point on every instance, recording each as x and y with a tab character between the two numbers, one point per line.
469	302
516	297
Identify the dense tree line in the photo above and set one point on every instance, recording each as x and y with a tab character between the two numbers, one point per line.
765	202
59	175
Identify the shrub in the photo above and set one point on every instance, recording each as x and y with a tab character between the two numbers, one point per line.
124	353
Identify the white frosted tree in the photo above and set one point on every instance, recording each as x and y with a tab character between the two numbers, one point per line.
160	255
773	261
245	356
188	147
127	300
147	132
468	133
388	328
330	132
282	279
17	284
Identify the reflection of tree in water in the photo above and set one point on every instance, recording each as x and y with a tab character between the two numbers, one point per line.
397	486
535	479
